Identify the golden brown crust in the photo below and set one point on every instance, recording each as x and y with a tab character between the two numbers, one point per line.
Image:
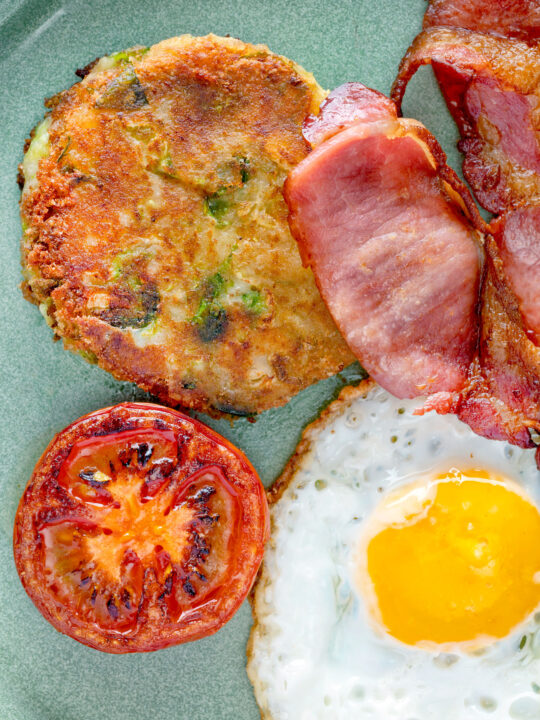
157	240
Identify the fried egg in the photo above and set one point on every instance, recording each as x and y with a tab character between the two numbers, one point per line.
402	580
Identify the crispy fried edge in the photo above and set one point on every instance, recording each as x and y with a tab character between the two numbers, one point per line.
187	398
307	442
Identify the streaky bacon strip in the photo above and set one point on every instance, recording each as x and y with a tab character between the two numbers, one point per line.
502	397
518	19
380	218
492	88
517	234
347	104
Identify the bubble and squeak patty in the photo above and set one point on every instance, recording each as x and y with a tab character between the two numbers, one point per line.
155	237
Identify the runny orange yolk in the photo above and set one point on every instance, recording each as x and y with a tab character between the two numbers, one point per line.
454	560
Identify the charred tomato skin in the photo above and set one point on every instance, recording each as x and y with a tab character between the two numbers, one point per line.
139	529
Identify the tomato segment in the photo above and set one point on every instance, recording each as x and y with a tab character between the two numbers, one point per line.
140	528
70	576
91	463
213	533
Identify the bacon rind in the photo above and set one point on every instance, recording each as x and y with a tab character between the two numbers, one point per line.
347	104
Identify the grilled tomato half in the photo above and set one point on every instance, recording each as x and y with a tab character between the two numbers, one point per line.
140	528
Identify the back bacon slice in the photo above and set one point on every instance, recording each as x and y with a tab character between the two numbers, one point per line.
391	236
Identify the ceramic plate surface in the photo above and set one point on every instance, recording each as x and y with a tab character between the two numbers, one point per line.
44	675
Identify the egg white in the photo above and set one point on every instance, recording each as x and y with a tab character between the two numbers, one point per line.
313	652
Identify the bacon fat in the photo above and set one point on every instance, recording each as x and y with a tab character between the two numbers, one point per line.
518	19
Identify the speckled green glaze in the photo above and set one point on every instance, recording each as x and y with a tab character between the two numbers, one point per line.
44	675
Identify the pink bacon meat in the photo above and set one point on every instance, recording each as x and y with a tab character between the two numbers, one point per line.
392	238
518	19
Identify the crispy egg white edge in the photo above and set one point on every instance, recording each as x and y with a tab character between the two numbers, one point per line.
286	491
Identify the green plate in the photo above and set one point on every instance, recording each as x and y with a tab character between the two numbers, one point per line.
44	675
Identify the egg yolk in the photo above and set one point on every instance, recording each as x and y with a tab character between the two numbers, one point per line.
454	560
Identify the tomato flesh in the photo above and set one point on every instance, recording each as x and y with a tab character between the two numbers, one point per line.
70	577
93	462
145	526
209	498
134	529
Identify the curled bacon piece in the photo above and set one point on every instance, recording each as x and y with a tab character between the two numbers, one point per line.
518	19
492	88
390	233
489	75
